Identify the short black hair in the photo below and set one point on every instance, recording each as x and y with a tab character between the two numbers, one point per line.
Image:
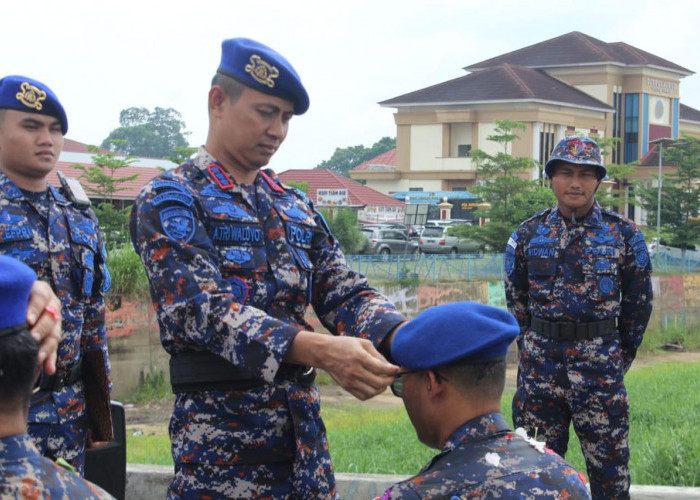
231	87
18	364
487	377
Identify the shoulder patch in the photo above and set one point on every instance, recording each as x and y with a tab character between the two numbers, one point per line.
165	183
178	223
176	196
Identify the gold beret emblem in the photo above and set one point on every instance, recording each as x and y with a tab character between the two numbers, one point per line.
31	96
261	71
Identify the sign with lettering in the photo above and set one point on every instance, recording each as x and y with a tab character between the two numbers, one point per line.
332	197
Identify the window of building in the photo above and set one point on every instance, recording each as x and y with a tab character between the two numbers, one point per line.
631	141
415	189
460	188
546	146
463	150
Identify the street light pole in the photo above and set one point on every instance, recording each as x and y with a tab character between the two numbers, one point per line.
658	201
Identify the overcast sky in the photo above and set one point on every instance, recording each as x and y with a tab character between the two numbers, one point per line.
104	56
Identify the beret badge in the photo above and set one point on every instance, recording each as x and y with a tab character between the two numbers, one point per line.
261	71
31	96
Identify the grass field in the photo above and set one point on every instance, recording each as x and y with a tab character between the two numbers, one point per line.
664	437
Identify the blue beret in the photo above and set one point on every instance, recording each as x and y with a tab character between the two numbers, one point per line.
24	94
16	280
259	67
458	331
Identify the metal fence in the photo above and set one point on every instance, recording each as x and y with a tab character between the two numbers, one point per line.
670	262
428	267
467	267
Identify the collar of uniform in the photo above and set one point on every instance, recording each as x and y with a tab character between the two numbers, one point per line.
16	448
476	430
269	176
57	195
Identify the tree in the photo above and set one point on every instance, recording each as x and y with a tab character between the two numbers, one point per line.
104	184
680	194
343	225
612	193
345	159
509	197
142	133
181	154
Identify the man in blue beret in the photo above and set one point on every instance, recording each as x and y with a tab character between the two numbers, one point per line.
578	278
453	369
24	473
234	259
56	234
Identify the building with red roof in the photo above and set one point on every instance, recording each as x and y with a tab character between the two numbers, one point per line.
573	84
328	189
77	153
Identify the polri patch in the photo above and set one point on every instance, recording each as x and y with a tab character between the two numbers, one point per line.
178	223
299	235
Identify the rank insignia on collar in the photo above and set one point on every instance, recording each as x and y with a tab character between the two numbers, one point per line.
220	176
31	96
261	71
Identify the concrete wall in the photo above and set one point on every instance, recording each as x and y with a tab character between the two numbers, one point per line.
147	482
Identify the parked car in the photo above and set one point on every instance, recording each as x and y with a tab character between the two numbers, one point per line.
434	239
385	241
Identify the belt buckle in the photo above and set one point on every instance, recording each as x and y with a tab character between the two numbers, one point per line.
566	331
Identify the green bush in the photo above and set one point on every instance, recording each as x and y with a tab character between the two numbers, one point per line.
127	271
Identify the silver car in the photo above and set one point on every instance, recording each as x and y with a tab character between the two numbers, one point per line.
386	241
434	239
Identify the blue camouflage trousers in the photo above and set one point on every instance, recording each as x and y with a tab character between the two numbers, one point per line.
560	382
263	443
65	441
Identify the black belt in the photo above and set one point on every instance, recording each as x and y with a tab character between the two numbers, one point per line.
204	371
60	379
573	331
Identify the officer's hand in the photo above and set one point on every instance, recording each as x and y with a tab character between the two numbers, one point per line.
44	320
90	444
354	363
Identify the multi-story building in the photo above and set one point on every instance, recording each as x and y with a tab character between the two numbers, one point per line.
571	84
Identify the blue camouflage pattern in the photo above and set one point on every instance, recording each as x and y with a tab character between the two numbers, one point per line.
64	246
484	458
238	285
596	270
25	474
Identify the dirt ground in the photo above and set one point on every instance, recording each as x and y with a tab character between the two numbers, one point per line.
153	417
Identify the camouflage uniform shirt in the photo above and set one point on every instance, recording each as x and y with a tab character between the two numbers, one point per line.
558	271
24	473
64	246
484	459
232	270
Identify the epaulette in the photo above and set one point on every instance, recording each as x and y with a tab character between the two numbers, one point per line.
541	213
613	214
269	176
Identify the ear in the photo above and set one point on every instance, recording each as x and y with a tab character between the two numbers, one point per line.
435	387
217	97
